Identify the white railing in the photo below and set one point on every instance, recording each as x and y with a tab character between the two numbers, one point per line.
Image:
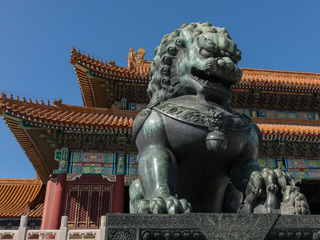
6	233
43	234
94	234
62	234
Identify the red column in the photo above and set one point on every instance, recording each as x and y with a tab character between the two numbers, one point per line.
48	205
118	200
59	200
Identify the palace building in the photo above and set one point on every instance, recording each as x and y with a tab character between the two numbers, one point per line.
85	158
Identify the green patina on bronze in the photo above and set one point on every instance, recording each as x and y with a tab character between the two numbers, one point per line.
191	143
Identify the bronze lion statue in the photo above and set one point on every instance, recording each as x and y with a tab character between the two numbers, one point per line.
192	145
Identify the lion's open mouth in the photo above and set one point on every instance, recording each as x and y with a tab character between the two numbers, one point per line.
208	79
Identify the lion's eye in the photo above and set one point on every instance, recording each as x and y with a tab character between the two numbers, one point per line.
204	52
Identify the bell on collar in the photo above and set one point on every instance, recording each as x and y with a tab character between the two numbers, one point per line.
216	141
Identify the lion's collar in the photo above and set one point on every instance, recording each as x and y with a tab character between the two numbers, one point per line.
205	117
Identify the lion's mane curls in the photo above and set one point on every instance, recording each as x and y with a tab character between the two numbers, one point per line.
164	82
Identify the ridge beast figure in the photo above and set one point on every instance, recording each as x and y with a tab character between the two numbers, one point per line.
191	144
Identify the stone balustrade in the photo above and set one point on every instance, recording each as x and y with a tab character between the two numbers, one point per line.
62	234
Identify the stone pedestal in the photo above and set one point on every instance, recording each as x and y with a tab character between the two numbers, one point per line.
201	226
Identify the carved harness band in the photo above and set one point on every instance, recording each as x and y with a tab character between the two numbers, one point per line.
209	118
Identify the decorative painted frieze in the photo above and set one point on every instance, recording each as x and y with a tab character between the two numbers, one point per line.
131	164
121	163
92	163
62	156
73	176
267	113
110	178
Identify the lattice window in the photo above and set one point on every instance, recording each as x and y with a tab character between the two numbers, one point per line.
95	208
86	204
72	205
105	200
83	207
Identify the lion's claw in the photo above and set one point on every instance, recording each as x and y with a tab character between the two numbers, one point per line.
158	205
143	207
186	206
174	206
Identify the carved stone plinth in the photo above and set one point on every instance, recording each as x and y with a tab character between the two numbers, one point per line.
201	226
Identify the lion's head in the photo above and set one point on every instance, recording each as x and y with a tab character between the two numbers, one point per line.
197	59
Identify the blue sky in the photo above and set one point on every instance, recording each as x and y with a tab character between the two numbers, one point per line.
36	38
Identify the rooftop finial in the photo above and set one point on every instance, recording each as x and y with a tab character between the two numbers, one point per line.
11	96
24	99
42	103
57	103
36	101
30	101
48	103
17	98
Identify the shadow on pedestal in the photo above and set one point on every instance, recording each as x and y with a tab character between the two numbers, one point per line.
200	226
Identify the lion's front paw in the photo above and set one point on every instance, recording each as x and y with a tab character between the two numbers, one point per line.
158	205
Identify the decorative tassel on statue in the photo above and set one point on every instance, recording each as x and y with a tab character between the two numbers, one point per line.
216	140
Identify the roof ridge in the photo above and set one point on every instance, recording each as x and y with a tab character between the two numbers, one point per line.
20	181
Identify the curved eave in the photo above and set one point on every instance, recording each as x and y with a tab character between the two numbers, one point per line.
94	64
27	145
277	80
21	197
92	79
66	115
